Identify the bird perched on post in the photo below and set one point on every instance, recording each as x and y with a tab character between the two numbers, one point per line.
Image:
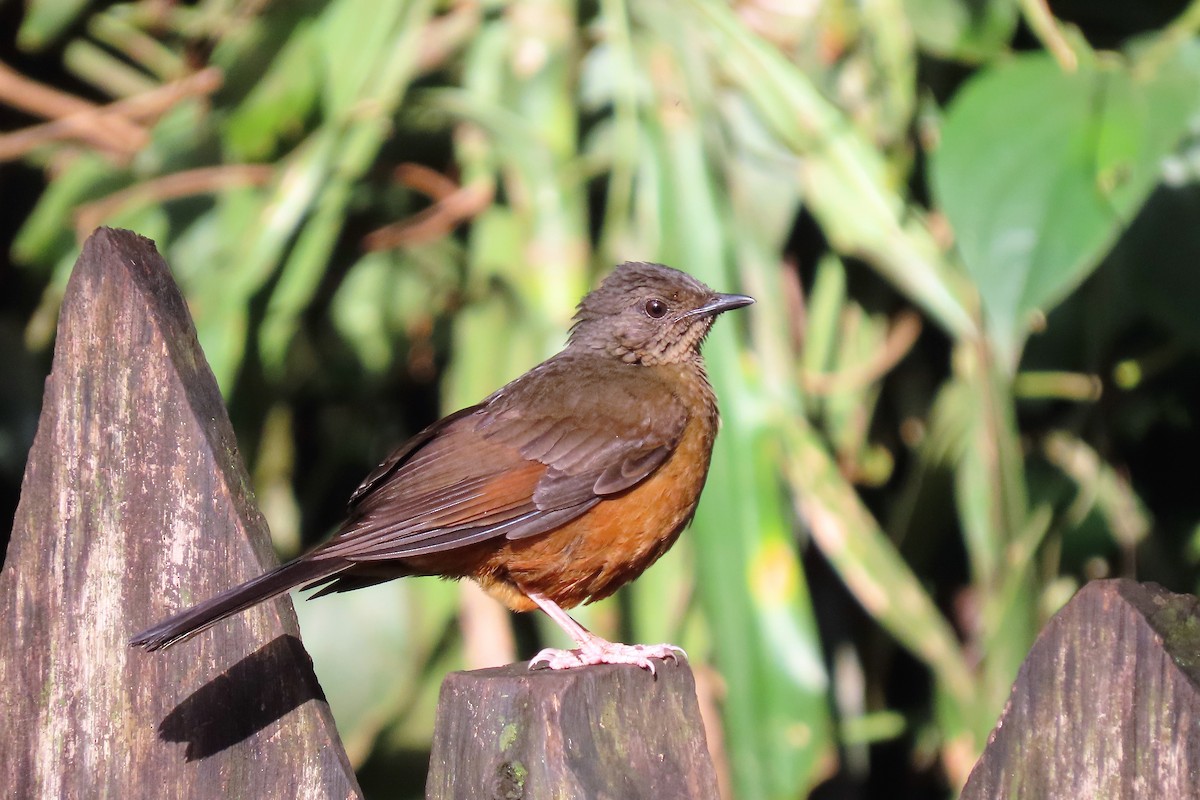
556	490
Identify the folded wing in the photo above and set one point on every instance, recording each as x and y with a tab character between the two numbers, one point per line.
503	468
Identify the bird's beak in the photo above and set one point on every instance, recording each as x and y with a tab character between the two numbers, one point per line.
720	303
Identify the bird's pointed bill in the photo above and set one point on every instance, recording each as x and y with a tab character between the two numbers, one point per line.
721	303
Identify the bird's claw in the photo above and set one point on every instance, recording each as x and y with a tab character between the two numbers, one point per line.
639	655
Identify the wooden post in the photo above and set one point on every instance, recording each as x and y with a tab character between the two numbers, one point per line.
135	503
602	732
1107	704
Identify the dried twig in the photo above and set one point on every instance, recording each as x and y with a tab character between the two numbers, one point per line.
452	205
77	117
900	338
92	123
1043	24
205	180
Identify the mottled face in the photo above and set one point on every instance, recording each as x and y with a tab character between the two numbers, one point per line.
649	314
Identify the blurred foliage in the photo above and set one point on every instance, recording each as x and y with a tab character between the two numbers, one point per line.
970	226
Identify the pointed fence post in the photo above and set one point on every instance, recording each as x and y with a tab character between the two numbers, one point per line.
1107	703
135	503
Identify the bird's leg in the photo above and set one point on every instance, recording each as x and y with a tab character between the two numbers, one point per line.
592	648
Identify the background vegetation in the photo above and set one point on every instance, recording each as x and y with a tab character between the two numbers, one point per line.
968	386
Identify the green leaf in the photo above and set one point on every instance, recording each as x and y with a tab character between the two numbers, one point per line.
359	310
278	105
355	38
46	233
1039	171
962	29
209	264
45	20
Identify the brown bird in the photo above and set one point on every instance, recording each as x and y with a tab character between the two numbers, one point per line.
557	490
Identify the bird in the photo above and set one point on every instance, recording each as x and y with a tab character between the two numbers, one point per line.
556	490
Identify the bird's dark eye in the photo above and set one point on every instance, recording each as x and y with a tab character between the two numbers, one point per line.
655	308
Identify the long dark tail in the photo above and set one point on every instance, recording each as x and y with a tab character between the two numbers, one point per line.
232	601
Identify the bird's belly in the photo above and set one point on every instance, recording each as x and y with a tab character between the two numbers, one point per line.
611	544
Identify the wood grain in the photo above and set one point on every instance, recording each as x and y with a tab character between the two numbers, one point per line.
134	504
1106	704
613	732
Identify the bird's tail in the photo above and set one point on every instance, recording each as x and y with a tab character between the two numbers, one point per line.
232	601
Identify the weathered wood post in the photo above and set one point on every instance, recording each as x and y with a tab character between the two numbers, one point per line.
601	732
1107	704
134	503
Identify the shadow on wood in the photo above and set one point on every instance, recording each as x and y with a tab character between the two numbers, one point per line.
242	700
601	732
1105	705
135	503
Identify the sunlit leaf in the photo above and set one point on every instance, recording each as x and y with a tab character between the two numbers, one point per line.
968	30
1040	170
45	20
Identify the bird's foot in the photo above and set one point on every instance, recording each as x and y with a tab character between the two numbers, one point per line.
605	652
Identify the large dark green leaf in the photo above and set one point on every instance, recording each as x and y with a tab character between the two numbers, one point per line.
1039	171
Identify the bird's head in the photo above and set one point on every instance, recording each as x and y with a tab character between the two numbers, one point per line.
649	314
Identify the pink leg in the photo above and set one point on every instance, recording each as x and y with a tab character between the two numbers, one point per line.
592	648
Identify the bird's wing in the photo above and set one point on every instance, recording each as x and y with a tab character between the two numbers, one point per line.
531	458
389	465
